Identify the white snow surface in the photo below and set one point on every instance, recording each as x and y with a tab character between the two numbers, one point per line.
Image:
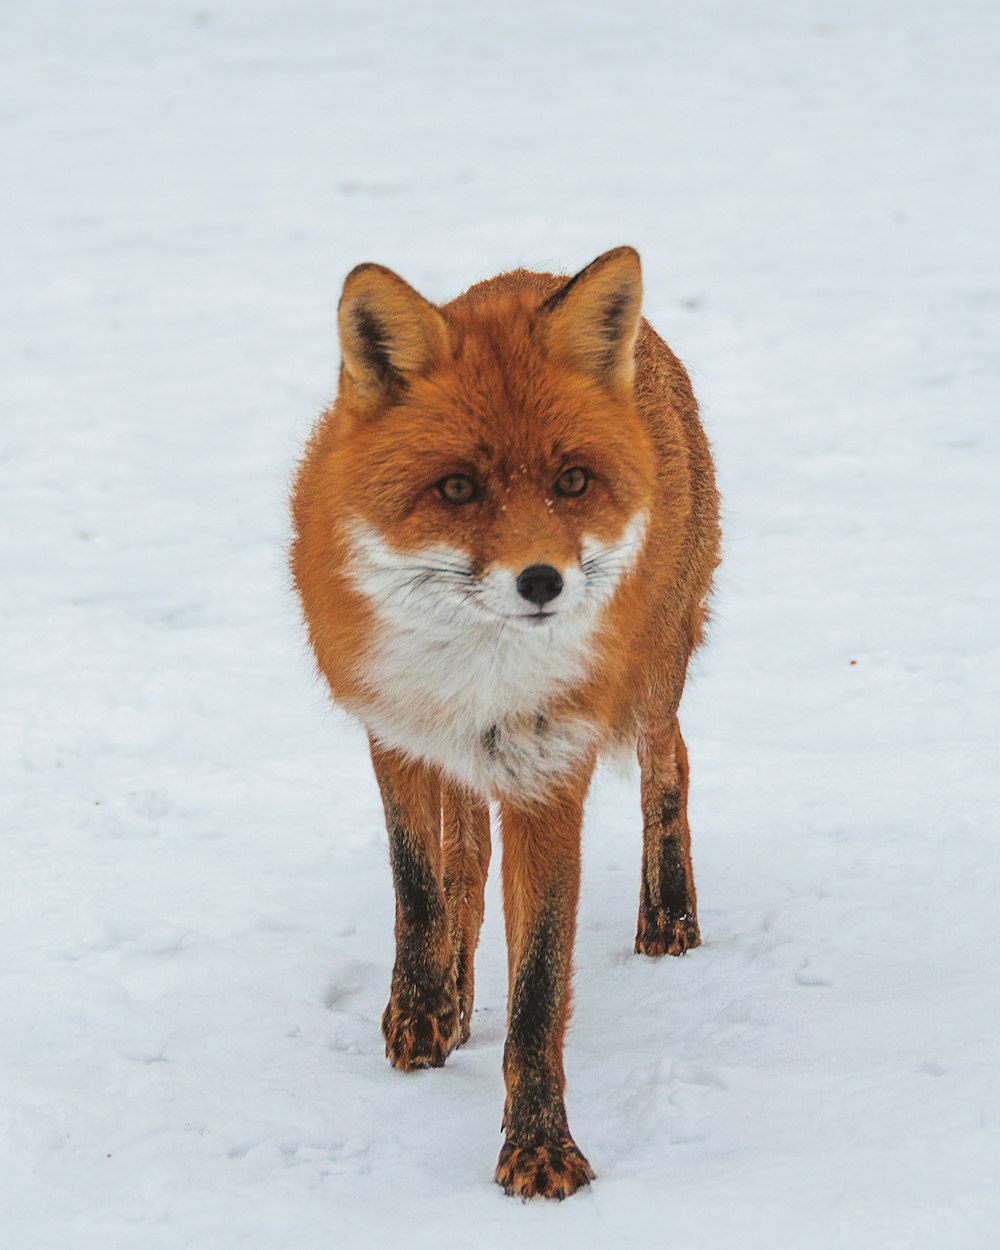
196	914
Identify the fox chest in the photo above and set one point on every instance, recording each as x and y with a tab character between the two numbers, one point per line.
487	707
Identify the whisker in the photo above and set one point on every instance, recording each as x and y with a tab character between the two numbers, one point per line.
409	579
392	567
606	570
602	557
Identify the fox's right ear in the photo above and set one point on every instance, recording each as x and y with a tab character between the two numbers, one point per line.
388	334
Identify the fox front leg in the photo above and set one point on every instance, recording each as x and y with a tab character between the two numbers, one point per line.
541	884
466	853
421	1021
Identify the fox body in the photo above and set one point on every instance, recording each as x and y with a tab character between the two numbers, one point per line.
505	532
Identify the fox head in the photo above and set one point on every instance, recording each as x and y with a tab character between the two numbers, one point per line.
498	468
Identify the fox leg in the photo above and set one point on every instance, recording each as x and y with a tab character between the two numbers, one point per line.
466	851
420	1023
668	906
541	885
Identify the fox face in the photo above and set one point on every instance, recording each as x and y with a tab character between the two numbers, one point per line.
527	530
499	481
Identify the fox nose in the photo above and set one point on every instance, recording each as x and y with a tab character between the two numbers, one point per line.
539	583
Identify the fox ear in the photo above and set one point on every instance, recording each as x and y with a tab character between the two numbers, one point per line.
593	320
388	334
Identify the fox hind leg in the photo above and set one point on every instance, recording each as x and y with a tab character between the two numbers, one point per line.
466	855
421	1022
668	905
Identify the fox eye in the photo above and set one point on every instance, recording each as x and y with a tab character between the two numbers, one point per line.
458	489
573	482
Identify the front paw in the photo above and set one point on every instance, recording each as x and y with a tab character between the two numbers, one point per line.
421	1028
659	934
552	1170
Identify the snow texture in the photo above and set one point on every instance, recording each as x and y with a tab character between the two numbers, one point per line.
196	921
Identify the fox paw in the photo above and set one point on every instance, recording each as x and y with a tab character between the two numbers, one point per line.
548	1171
421	1032
661	935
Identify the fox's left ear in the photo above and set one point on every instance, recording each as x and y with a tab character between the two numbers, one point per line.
593	320
389	334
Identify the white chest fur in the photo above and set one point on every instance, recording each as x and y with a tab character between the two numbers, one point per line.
454	678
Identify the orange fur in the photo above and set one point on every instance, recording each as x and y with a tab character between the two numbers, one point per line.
521	378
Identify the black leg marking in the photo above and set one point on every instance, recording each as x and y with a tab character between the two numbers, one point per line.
539	1157
416	886
667	912
536	1113
673	878
670	808
534	1002
420	1023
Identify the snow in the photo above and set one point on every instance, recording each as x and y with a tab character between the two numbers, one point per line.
196	915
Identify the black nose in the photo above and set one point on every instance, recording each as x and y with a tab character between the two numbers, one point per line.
539	583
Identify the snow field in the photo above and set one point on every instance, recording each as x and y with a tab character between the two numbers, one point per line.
197	910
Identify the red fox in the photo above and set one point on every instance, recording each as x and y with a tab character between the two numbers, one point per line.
505	530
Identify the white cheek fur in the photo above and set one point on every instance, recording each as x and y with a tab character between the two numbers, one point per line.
459	675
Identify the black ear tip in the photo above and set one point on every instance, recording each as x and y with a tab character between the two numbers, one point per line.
358	272
618	254
368	269
355	280
369	274
618	259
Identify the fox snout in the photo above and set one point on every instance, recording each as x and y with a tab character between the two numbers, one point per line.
539	584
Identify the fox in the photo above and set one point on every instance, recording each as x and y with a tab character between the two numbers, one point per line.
505	529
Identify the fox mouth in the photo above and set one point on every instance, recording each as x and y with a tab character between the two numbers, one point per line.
529	620
533	618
